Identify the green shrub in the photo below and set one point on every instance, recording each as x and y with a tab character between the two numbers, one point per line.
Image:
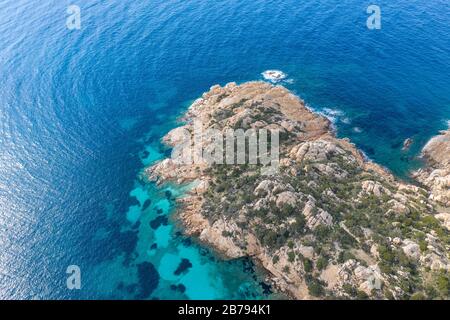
315	288
361	295
443	284
307	265
291	256
418	296
344	256
349	289
226	233
290	244
275	259
322	263
430	221
423	245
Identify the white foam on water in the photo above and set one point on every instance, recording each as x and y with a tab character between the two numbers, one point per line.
333	112
365	156
334	115
346	120
329	115
289	81
274	76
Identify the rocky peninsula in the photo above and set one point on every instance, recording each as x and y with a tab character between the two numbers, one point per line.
329	223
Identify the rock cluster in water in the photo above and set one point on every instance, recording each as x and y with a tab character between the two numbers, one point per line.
329	223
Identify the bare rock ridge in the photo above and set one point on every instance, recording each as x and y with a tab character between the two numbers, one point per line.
329	223
437	174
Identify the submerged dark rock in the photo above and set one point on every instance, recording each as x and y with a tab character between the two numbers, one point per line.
184	265
187	242
158	221
127	240
180	287
147	203
167	152
136	225
267	288
248	266
148	280
369	150
131	288
133	201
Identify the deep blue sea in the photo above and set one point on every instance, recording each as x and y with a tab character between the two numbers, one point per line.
82	113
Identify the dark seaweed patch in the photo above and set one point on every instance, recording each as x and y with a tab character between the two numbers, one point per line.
148	279
369	150
136	225
147	203
180	287
267	288
167	153
184	265
133	202
248	266
158	221
187	242
127	241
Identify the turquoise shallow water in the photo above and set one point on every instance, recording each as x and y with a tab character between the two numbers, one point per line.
82	113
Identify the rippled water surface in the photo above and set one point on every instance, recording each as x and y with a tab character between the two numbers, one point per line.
82	113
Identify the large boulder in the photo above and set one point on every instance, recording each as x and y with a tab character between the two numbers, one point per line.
286	198
316	216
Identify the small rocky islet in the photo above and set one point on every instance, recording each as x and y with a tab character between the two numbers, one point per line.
330	223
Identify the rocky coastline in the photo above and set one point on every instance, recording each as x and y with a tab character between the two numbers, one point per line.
329	224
